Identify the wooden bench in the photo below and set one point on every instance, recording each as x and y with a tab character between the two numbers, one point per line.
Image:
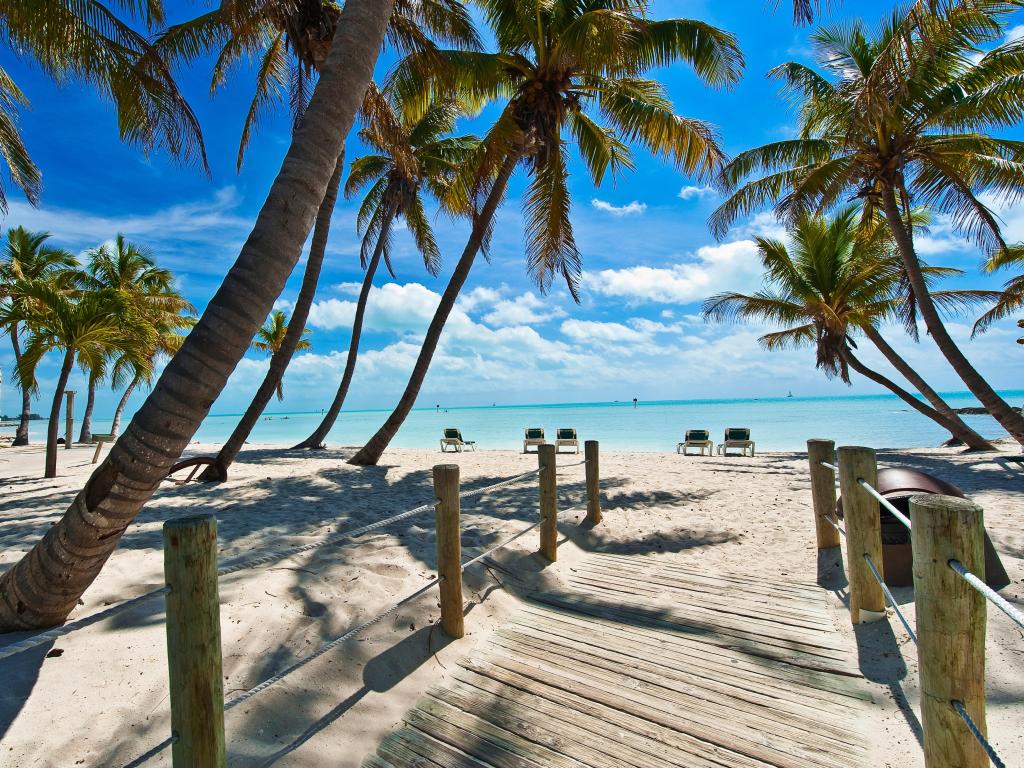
98	441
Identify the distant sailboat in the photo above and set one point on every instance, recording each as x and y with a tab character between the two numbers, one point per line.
790	393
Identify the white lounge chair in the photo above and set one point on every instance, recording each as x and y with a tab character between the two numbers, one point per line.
566	437
453	439
699	439
736	438
533	436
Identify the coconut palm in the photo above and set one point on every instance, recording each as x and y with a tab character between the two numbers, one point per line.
271	335
569	72
1011	299
44	586
900	119
92	43
840	278
148	292
289	42
27	258
413	156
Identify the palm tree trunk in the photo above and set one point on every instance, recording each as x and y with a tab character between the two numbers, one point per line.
998	408
963	434
296	325
316	440
85	435
897	390
115	425
44	586
370	453
21	434
53	426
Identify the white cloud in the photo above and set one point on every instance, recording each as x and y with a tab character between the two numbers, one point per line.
594	331
667	314
696	193
522	310
391	307
630	209
480	297
730	266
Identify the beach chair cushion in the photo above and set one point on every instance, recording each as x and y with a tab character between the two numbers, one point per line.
566	434
453	434
534	433
737	433
697	435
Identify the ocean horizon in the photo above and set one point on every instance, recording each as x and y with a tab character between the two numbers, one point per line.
776	423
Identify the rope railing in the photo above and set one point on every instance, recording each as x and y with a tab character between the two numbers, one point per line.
889	506
990	594
889	597
502	545
960	709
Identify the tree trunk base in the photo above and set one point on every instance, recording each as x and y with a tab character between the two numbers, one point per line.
361	459
310	445
19	441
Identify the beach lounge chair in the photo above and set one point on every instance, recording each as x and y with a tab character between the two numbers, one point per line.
566	437
453	439
736	438
533	436
98	441
696	438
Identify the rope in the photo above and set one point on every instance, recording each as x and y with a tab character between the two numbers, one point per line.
511	480
889	597
52	634
494	549
884	502
1015	616
569	466
977	734
328	646
826	465
835	525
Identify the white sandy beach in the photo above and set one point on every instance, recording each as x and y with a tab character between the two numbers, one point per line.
103	700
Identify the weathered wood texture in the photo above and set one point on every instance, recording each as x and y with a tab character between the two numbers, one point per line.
823	492
593	474
950	627
647	663
546	457
863	531
193	642
449	548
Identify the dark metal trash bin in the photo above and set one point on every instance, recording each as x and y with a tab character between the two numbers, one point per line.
898	485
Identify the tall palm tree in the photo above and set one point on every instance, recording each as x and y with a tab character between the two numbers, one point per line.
148	291
270	337
290	42
840	278
1011	299
563	68
97	44
413	156
901	119
44	586
27	259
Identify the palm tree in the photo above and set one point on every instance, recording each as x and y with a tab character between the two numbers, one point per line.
91	44
1011	299
839	278
44	586
27	259
413	155
86	326
130	271
563	67
901	123
290	42
270	337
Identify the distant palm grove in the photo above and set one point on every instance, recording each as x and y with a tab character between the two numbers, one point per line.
897	126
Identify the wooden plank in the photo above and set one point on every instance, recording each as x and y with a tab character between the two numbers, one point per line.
373	761
662	562
395	749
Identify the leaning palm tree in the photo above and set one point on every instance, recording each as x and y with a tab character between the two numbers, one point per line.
837	279
27	259
565	68
1011	299
271	335
42	588
413	156
901	119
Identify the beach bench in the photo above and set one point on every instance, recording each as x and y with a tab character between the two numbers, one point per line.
696	438
453	439
736	439
566	437
533	436
98	441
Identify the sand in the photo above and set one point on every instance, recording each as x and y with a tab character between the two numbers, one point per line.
103	700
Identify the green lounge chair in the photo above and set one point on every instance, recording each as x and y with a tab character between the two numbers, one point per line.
696	438
736	438
533	436
566	437
453	439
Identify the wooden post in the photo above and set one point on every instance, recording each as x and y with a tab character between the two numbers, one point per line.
950	627
823	492
863	532
592	469
69	418
193	642
449	548
548	502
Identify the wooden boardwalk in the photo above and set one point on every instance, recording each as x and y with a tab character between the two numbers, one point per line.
649	663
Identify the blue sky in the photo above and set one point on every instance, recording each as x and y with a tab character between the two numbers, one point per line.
649	259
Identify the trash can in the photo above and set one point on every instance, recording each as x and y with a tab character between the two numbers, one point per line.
898	485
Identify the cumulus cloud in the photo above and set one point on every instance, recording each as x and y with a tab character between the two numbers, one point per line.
391	307
522	310
481	296
713	268
696	193
630	209
594	331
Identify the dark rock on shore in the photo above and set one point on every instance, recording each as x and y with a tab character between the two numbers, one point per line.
972	411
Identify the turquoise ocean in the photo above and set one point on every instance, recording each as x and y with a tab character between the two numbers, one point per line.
777	424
